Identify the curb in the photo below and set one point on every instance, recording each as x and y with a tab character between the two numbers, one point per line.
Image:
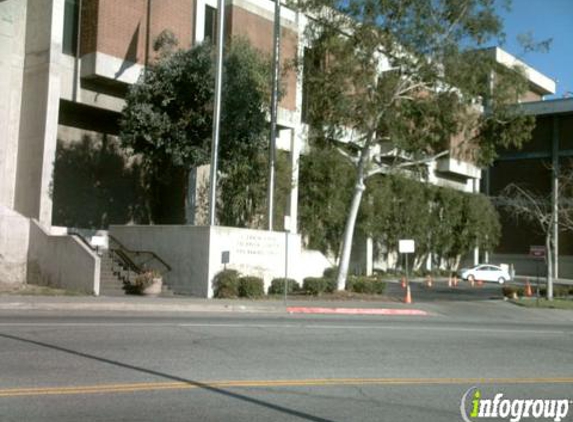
357	311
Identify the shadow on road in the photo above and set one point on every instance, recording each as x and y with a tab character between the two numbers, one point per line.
282	409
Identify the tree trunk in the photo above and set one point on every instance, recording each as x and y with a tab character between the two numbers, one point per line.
549	258
351	220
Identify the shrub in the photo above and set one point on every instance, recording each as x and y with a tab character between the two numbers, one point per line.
278	286
226	284
368	285
512	292
315	285
331	272
330	275
251	287
141	282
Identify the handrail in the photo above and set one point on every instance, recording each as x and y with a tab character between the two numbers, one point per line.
83	240
123	248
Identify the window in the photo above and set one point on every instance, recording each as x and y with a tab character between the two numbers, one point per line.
210	24
70	39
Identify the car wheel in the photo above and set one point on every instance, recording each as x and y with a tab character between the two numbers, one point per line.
471	278
501	280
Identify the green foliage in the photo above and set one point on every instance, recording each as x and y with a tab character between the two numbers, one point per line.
512	291
168	121
314	285
278	286
423	103
325	190
330	273
366	285
251	287
226	284
443	221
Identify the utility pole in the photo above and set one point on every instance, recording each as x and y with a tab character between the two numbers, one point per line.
274	110
216	111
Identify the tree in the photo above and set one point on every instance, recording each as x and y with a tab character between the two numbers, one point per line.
394	81
167	121
325	188
545	211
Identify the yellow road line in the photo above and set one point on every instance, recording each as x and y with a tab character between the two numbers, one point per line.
156	386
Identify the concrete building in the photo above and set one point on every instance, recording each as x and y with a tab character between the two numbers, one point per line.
536	167
65	66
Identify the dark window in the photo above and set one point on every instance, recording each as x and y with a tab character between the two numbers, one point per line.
210	24
70	40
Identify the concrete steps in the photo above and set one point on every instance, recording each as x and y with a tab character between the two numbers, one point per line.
113	278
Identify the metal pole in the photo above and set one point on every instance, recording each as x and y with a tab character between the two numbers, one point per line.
274	110
286	266
216	111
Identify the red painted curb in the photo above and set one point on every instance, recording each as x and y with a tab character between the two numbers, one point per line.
356	311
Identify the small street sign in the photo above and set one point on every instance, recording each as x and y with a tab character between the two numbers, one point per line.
537	252
406	246
225	257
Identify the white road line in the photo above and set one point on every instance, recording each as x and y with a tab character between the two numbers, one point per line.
486	330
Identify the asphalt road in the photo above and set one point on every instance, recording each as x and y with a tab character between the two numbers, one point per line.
236	367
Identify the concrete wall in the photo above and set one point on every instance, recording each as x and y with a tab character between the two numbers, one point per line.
258	253
184	248
194	253
39	113
525	265
12	37
14	233
62	262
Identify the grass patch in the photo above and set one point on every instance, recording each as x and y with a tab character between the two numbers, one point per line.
544	303
32	290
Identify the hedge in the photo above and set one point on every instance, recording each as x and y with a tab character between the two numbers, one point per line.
251	287
226	284
278	286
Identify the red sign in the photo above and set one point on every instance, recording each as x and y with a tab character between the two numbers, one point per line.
537	252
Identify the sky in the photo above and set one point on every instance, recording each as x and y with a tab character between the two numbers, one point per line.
544	19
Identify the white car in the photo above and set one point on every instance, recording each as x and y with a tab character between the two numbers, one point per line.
485	272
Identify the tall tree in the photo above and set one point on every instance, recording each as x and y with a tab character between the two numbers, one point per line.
167	120
548	212
394	81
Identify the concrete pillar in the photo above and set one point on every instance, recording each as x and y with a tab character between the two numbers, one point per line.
40	108
294	162
369	256
12	49
476	249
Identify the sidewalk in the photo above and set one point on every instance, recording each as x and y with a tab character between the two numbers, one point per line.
190	304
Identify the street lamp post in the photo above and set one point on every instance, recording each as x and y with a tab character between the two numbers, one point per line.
274	109
216	111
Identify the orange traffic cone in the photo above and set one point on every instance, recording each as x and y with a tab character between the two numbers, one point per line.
480	283
408	298
528	291
403	283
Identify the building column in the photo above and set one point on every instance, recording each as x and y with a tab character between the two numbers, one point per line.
475	189
294	163
40	109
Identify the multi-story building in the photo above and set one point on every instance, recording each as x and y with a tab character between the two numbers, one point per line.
538	168
65	66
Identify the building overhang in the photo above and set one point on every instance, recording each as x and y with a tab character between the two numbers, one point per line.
458	168
540	108
538	81
100	65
